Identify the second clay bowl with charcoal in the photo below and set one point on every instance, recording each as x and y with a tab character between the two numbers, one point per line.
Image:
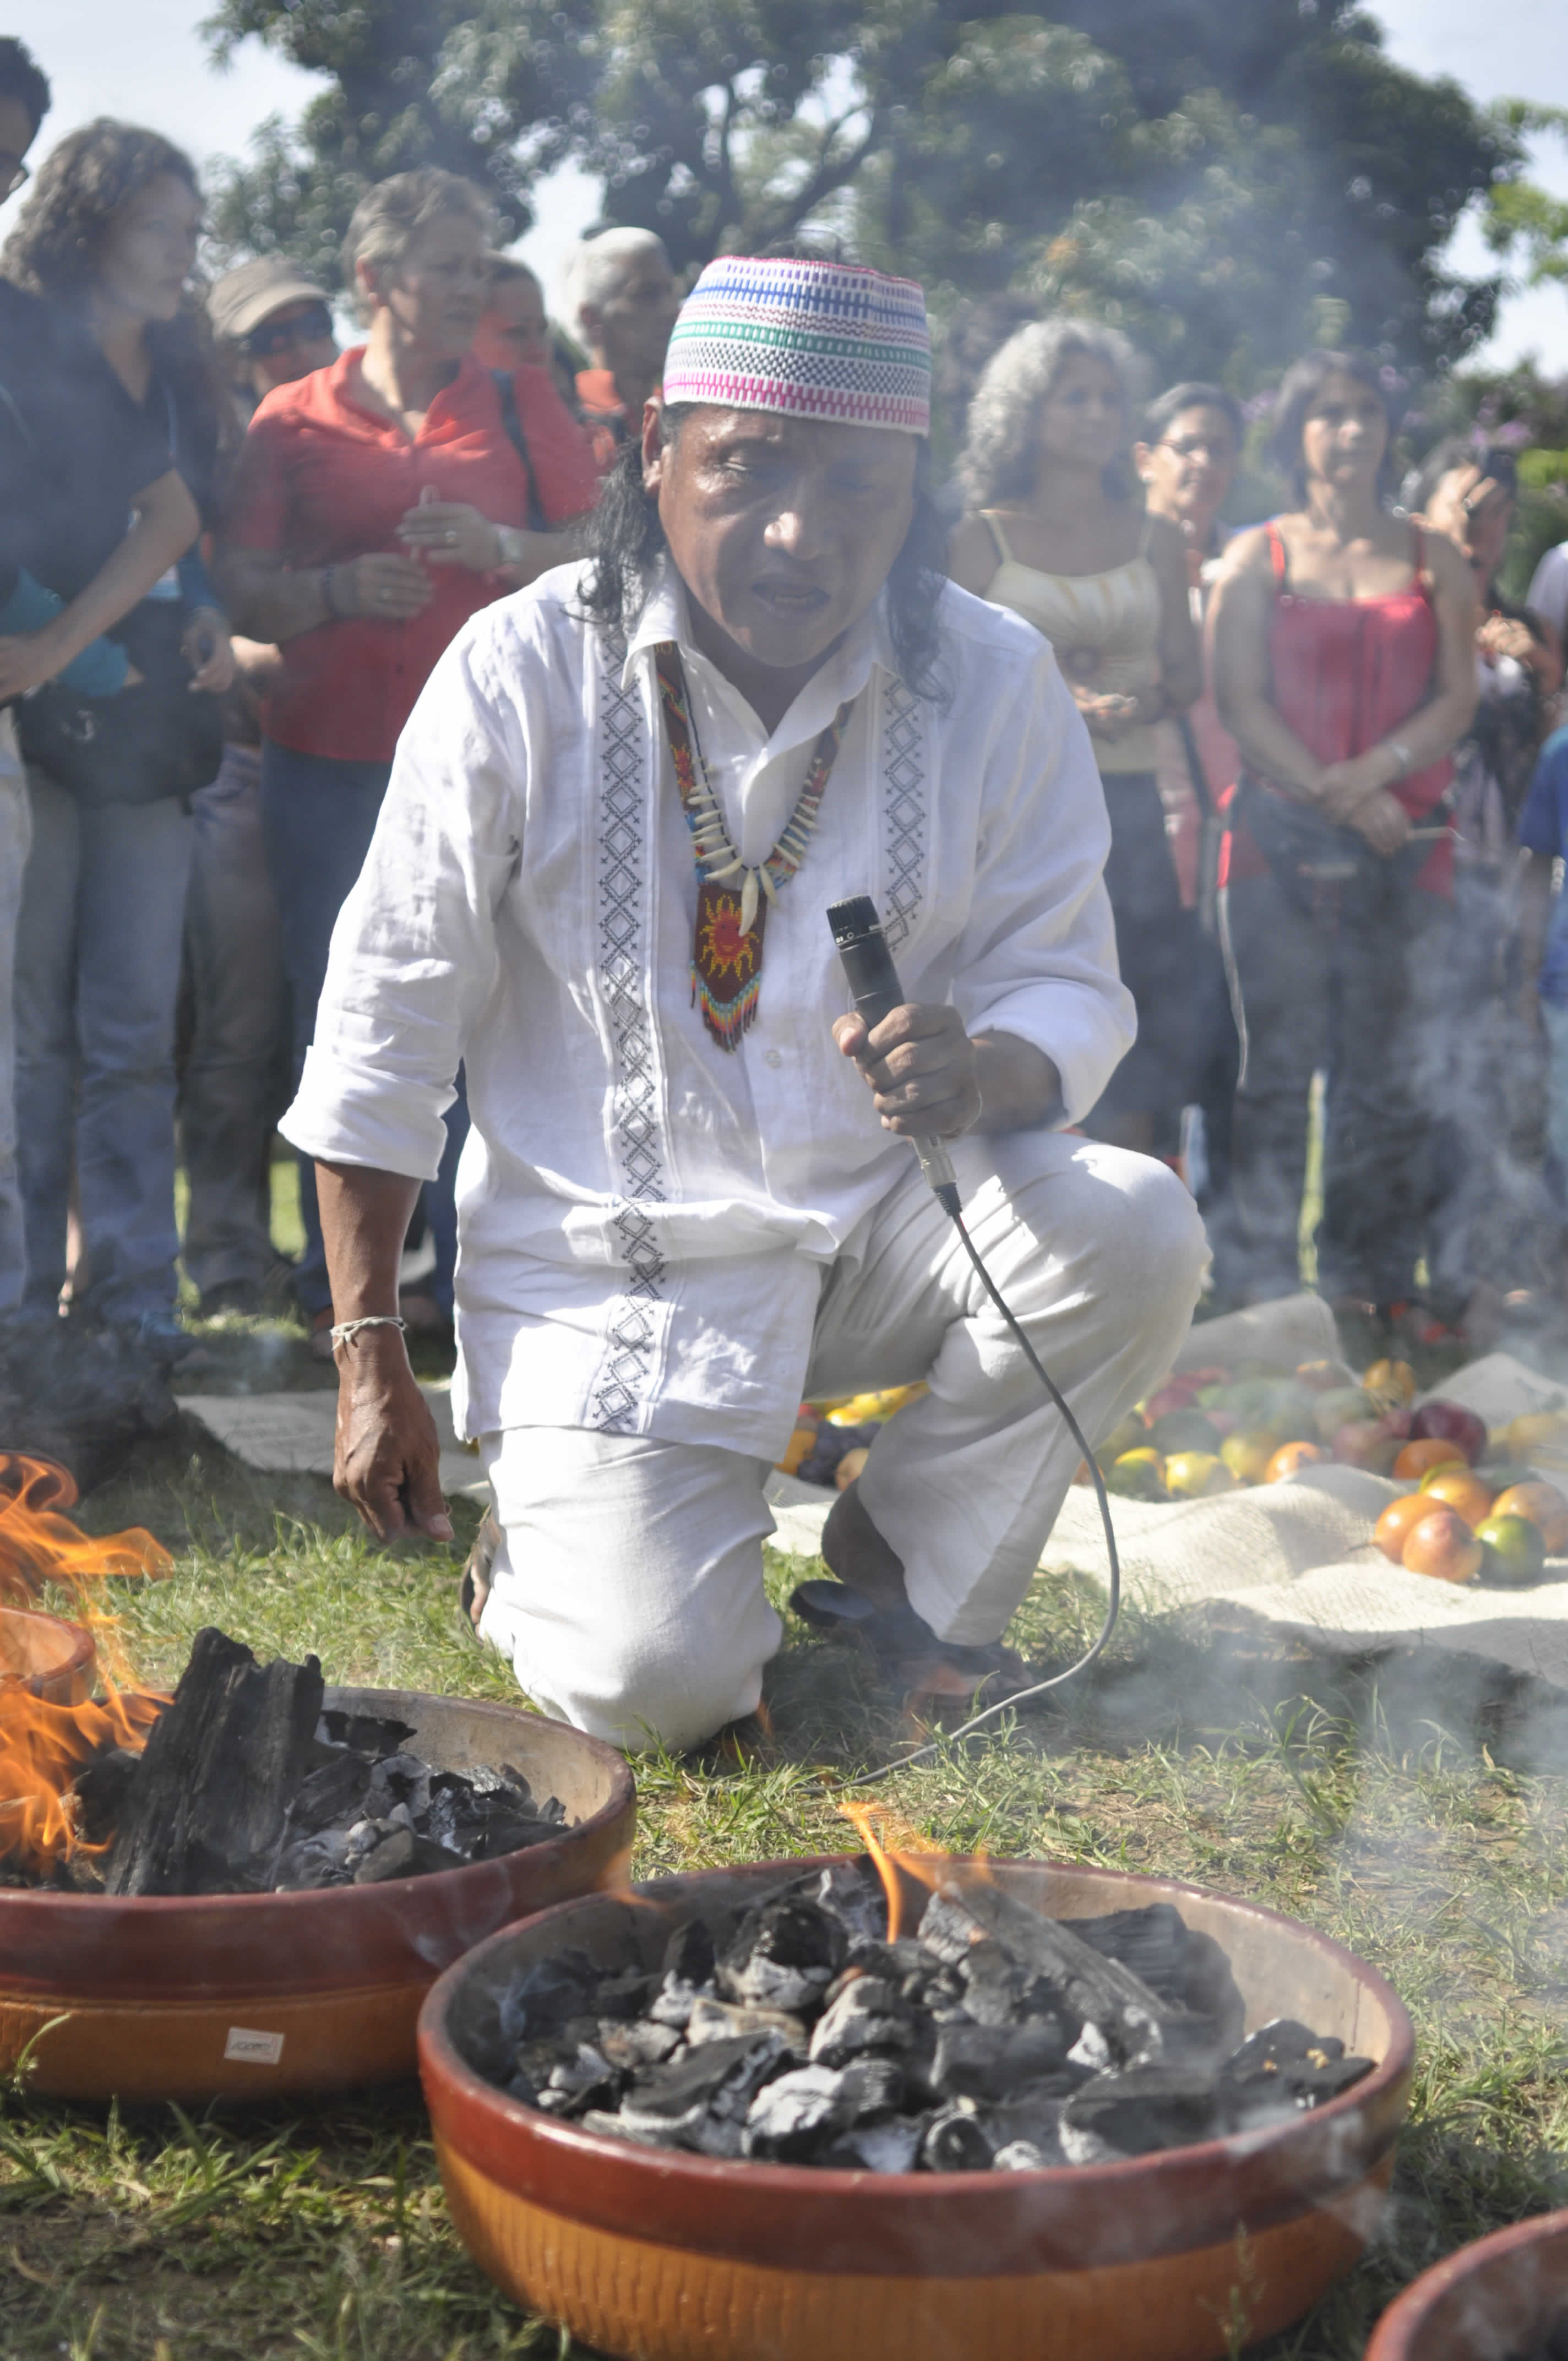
1499	2299
1065	2112
191	1952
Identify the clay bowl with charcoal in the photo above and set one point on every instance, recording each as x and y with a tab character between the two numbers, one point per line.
51	1658
248	1995
1503	2299
660	2254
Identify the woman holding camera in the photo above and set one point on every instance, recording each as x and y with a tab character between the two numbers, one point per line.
1343	663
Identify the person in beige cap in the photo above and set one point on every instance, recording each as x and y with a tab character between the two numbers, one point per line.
274	325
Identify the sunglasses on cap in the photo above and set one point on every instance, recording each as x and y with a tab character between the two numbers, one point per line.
277	336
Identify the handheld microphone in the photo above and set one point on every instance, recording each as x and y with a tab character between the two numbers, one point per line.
876	992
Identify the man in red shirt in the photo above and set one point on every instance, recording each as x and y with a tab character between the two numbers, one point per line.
622	300
380	504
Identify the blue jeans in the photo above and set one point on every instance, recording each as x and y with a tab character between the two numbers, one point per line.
317	818
97	976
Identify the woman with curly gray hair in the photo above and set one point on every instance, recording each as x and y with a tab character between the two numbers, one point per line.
1051	530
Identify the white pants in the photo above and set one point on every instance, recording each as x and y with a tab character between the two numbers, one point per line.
628	1592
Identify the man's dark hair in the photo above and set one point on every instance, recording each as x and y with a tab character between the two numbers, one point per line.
626	541
23	78
1166	407
1490	460
1304	380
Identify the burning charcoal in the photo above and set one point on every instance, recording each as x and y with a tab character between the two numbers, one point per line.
720	2020
537	2004
1148	2107
784	1954
987	2061
852	1892
879	2147
332	1796
310	1862
866	2014
638	2043
1030	2129
207	1809
367	1733
398	1779
1101	1991
625	1995
700	2099
689	1963
1186	1970
796	2116
897	1961
1284	2067
102	1787
954	2141
585	2079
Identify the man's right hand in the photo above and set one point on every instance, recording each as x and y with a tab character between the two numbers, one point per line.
388	1457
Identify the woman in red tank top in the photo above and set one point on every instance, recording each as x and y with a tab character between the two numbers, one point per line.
1341	640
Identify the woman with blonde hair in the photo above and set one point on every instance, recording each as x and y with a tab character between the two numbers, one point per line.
1052	530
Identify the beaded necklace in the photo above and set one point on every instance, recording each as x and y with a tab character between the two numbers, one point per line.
727	957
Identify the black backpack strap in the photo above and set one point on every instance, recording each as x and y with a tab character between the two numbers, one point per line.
505	393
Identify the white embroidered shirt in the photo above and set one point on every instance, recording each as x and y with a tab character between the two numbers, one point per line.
643	1216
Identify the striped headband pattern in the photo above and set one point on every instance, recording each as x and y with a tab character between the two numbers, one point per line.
806	339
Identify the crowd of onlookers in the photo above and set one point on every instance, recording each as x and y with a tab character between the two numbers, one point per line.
231	554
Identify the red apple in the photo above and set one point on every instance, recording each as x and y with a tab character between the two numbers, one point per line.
1365	1443
1177	1394
1447	1422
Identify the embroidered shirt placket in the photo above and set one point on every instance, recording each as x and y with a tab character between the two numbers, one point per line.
625	853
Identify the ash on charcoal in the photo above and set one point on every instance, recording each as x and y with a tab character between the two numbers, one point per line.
995	2040
247	1782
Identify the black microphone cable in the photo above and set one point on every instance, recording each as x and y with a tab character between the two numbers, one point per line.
874	987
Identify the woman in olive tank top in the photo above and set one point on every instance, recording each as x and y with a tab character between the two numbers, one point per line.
1053	532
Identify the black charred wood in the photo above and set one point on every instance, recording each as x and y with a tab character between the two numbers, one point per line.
783	1954
403	1854
625	1995
1183	1967
867	2015
797	2116
633	2043
332	1795
376	1735
954	2141
1148	2107
987	2061
701	2098
538	2005
725	2020
1095	1991
207	1810
101	1789
1283	2069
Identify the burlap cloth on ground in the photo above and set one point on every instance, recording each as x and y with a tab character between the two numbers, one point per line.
1296	1555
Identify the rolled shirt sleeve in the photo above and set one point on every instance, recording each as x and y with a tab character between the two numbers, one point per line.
413	953
1037	957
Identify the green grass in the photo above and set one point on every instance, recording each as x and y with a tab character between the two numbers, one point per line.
1417	1811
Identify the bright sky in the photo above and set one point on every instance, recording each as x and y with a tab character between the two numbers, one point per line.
147	60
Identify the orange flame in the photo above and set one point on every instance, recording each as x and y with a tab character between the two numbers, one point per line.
44	1744
895	1844
42	1748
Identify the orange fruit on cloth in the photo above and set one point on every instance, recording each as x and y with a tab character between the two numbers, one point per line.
1461	1489
1393	1528
1544	1506
1390	1382
1416	1459
801	1444
1290	1457
1443	1546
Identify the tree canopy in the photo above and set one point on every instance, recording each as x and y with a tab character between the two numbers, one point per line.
1224	180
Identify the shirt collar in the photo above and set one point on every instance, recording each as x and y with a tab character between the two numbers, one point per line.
867	644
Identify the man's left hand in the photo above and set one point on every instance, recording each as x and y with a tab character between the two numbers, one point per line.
919	1065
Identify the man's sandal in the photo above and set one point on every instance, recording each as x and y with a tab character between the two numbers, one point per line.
474	1590
905	1648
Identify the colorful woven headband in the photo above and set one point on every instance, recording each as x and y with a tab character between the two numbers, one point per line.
806	340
